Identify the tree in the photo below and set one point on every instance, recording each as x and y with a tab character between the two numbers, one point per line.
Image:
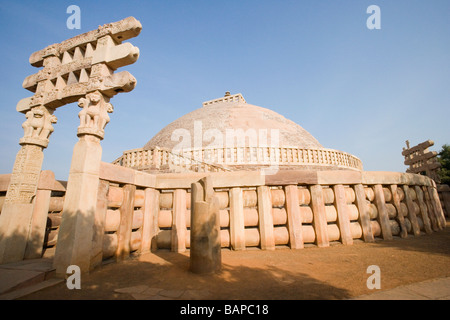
444	159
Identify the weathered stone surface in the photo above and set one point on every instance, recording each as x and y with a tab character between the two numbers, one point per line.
231	179
294	219
38	126
205	252
237	223
411	212
150	223
81	69
265	218
35	242
383	218
126	221
120	31
83	64
343	219
18	207
119	174
319	221
179	221
397	204
76	230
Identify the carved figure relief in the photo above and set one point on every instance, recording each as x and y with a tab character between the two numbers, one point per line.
38	126
25	174
94	114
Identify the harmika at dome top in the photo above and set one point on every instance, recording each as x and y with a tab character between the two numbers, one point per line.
228	134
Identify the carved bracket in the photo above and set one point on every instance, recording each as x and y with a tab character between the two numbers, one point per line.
38	126
94	114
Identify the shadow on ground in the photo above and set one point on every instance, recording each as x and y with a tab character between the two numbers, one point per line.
170	271
336	272
424	242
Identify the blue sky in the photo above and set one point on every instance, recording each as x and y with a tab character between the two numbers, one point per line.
315	62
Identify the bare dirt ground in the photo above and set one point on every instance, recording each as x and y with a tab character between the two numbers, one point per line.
336	272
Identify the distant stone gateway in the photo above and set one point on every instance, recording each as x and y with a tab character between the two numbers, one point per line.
259	179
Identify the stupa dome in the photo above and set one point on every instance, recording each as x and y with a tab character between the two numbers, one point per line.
233	117
229	134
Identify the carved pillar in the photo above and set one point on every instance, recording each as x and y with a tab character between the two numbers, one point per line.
16	217
78	218
237	224
205	255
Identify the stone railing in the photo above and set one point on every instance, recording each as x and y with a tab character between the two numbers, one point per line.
47	211
162	159
218	159
299	208
137	212
143	212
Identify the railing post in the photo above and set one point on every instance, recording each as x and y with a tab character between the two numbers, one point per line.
400	218
294	219
237	228
265	218
363	216
423	210
39	218
150	223
99	224
319	214
343	220
179	221
383	218
411	214
126	222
